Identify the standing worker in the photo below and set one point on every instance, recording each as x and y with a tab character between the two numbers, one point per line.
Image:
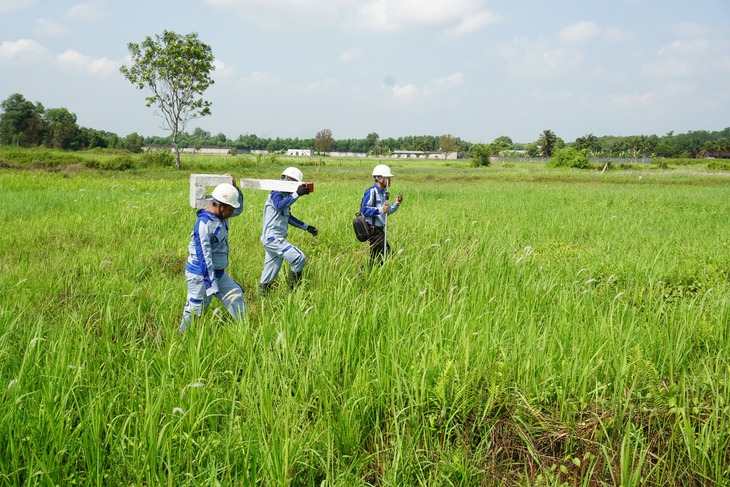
375	208
277	218
205	270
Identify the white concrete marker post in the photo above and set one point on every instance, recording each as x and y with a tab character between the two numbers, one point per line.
272	185
199	184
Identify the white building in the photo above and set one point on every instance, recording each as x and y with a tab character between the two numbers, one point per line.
419	154
299	152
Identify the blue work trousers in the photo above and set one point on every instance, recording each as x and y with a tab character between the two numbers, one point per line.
230	293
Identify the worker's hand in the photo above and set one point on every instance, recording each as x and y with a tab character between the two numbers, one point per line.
399	199
386	207
313	230
303	189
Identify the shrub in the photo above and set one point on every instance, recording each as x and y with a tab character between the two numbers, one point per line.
569	157
480	154
117	163
719	166
158	158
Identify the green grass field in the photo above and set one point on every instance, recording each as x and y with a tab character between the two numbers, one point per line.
533	327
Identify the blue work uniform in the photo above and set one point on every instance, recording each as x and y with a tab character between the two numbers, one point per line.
277	218
372	208
205	270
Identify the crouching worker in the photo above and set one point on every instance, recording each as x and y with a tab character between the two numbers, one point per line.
205	271
277	218
375	208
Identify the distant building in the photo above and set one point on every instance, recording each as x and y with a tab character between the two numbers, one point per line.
299	152
348	154
206	149
419	154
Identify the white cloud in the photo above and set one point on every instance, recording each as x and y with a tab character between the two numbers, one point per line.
633	99
405	93
680	89
223	70
545	95
22	51
259	78
324	85
456	17
351	55
455	79
579	32
8	6
276	14
691	57
73	60
93	11
691	30
410	92
615	34
538	58
473	24
50	28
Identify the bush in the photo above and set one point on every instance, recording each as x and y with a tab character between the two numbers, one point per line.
39	157
118	163
480	154
719	166
569	157
158	158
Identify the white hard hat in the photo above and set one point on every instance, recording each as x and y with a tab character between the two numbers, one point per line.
382	170
227	194
294	173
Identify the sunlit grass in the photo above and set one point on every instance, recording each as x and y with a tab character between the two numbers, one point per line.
533	327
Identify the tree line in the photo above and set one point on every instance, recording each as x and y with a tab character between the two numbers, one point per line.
27	124
24	123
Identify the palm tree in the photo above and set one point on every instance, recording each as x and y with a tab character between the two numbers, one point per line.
588	143
547	142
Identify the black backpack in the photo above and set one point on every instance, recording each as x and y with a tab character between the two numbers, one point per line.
361	227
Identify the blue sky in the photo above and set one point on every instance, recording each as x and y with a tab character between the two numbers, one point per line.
476	69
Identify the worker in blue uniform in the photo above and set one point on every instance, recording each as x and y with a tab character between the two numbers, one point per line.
376	208
205	271
276	221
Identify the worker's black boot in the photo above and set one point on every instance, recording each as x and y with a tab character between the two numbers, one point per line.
294	279
264	288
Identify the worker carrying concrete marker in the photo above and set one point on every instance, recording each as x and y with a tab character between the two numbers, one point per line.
277	218
205	270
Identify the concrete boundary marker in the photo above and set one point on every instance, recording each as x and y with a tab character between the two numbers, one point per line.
199	183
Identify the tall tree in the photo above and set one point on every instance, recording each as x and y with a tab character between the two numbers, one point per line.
178	71
62	128
547	143
447	143
502	143
589	143
21	121
481	154
323	141
371	142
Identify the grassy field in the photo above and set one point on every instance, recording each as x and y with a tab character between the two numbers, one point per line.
533	327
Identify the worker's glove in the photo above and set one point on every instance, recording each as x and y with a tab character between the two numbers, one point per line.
303	189
313	230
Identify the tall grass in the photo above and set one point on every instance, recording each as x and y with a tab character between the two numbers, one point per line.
532	327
